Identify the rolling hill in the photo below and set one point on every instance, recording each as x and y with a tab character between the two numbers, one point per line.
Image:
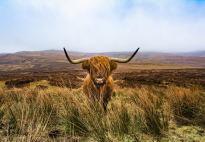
56	60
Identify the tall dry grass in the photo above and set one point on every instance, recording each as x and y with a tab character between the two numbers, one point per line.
31	114
188	105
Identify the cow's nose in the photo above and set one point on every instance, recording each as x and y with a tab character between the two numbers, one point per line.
99	76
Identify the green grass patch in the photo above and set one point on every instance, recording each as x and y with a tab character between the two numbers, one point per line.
2	84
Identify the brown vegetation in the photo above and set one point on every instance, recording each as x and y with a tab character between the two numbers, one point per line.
161	78
135	78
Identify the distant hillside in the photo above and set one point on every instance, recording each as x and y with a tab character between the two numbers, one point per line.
165	58
197	54
172	59
56	60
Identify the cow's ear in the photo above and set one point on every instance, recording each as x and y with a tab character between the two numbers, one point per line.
86	66
113	66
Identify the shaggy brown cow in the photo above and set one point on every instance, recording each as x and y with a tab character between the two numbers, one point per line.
98	85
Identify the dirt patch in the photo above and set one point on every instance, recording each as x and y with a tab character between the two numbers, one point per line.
19	83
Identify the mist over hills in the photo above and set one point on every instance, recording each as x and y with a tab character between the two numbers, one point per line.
195	53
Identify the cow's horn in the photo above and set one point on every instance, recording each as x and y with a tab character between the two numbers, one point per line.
124	60
75	61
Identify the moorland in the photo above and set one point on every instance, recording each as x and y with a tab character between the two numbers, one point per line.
157	97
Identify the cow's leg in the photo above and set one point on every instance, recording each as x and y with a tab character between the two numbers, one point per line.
105	103
105	107
106	99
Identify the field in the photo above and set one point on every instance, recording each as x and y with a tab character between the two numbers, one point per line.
157	97
163	104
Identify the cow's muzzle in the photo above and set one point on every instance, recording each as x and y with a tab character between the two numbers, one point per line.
99	81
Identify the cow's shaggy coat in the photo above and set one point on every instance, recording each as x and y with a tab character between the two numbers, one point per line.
99	67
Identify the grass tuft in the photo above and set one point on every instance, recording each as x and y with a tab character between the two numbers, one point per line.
187	105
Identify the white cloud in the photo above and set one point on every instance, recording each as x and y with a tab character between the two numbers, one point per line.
102	25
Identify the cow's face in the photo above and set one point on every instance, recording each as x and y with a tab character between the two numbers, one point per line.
99	68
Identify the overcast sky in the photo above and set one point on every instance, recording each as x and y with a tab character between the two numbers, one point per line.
102	25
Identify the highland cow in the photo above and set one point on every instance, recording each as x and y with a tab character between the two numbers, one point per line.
99	85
